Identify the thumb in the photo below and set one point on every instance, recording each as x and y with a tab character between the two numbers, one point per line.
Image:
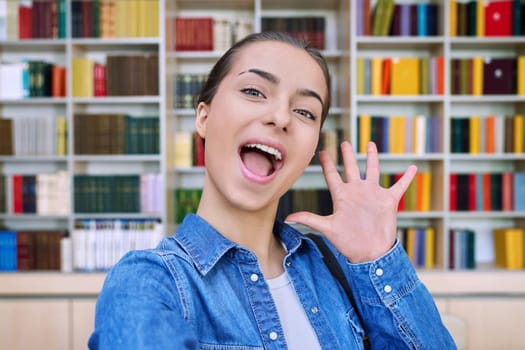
314	221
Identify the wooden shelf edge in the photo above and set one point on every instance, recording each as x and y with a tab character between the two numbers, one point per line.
28	284
439	283
472	283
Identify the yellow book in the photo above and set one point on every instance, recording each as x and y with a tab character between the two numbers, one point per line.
519	125
480	18
121	19
405	76
82	71
61	136
376	73
508	248
396	134
474	134
477	76
430	247
521	75
410	243
365	131
142	16
183	152
151	18
424	182
410	196
132	24
360	62
453	18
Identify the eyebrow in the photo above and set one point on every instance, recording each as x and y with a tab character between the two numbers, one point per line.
275	80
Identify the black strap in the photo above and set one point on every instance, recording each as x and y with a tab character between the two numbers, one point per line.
337	272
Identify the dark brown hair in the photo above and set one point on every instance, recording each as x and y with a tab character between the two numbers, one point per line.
223	65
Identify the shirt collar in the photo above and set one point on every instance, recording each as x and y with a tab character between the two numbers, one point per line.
206	246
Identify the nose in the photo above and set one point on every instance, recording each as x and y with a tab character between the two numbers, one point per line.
279	116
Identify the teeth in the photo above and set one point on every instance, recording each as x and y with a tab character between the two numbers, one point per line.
270	150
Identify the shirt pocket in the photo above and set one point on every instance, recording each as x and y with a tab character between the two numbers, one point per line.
228	347
357	329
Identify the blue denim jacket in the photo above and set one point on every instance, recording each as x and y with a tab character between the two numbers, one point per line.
198	290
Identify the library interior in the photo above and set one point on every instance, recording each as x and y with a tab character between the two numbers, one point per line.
99	153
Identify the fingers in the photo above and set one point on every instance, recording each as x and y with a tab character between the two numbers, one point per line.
372	163
351	167
330	172
400	187
314	221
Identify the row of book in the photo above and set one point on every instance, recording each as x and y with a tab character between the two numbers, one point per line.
32	19
461	249
33	136
208	33
118	193
98	244
116	134
114	18
32	78
489	134
509	248
418	196
387	17
42	194
400	75
310	28
488	76
188	149
487	191
30	250
186	88
399	134
482	18
95	79
420	244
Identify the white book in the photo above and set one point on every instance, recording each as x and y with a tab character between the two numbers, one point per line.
3	20
421	134
11	80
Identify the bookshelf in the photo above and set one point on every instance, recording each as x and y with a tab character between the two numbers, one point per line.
344	46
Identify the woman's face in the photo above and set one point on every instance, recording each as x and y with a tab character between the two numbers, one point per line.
262	126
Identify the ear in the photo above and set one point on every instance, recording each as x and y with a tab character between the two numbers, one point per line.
202	118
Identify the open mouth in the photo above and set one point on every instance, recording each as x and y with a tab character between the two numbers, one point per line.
260	159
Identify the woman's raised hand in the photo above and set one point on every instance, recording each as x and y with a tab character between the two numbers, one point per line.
363	224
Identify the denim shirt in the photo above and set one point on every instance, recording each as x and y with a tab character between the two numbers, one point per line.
199	290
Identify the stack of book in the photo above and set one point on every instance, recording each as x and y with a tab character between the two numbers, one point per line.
462	249
509	248
32	78
42	194
186	202
311	29
420	245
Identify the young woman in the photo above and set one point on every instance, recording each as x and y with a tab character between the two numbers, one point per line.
232	277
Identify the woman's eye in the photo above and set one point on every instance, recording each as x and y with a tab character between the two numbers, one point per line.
306	114
252	92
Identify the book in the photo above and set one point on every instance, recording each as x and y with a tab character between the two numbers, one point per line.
498	18
405	76
499	76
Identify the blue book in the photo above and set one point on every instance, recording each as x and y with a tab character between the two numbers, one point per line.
8	251
422	19
519	191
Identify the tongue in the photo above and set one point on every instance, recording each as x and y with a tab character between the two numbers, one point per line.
257	163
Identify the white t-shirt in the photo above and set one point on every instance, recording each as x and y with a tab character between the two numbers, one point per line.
298	331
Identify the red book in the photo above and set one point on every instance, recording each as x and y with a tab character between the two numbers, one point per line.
402	202
87	19
498	18
440	76
453	204
385	84
58	81
486	192
99	76
18	194
507	189
25	22
472	190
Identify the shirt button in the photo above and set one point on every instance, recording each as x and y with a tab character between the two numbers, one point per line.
254	277
273	335
388	288
379	272
288	263
314	309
